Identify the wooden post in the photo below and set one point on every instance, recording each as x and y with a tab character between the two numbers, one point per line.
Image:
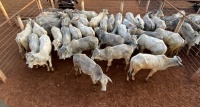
195	75
4	12
52	3
147	5
2	77
162	5
82	5
21	25
121	7
198	11
180	23
139	1
39	5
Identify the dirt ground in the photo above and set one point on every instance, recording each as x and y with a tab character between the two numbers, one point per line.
27	87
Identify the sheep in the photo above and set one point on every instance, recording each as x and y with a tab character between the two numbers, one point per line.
115	52
94	22
82	18
139	22
89	14
76	33
66	39
159	13
108	38
118	21
103	23
156	46
111	22
174	16
149	33
153	62
149	24
128	39
173	40
129	24
83	63
37	29
47	20
130	17
65	21
57	42
158	22
22	38
43	57
83	44
34	45
85	30
191	37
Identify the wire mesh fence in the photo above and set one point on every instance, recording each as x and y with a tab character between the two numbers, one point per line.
9	50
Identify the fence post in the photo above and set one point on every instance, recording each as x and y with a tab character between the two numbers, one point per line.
82	5
2	77
180	23
121	7
147	5
4	12
52	3
21	25
162	4
39	5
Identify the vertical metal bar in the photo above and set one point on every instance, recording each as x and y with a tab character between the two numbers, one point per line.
180	23
4	12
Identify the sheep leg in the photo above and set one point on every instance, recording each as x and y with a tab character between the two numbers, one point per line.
21	50
141	49
188	49
50	64
133	74
79	71
198	51
127	62
48	69
76	70
129	72
150	74
109	64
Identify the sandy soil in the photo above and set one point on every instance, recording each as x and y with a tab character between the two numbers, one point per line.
27	87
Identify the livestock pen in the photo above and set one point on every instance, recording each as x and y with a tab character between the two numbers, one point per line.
27	87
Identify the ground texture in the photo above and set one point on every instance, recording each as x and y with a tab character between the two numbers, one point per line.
27	87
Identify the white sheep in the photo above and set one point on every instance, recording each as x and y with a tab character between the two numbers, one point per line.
57	42
173	40
85	30
158	22
130	17
37	29
118	21
153	62
75	32
149	24
22	39
104	23
94	22
111	22
156	46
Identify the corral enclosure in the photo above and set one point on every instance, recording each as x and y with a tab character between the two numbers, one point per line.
27	87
